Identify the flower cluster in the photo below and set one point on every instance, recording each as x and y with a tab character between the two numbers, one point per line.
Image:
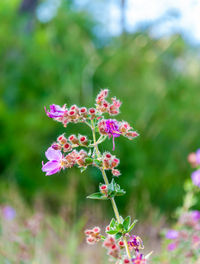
187	235
93	235
114	243
80	151
194	159
113	128
104	106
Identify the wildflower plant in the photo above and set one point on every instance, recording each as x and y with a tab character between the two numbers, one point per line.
183	241
83	151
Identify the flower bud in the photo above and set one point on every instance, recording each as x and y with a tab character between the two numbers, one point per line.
83	140
104	189
73	139
56	146
90	240
83	111
67	147
106	163
62	140
96	230
121	244
126	261
80	161
72	114
108	228
92	111
116	172
114	163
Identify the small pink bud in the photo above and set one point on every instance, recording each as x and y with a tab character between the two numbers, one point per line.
116	172
62	140
114	163
90	240
108	156
56	146
108	228
67	147
121	243
92	111
72	113
103	189
96	229
126	261
80	161
73	139
83	111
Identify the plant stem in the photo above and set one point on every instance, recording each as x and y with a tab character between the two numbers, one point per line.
115	208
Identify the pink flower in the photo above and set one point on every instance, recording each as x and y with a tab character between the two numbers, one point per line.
172	234
139	259
172	246
55	111
196	178
55	162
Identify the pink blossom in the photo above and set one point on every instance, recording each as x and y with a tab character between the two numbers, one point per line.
196	178
55	162
55	111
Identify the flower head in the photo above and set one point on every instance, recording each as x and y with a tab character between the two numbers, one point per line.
55	162
139	259
8	212
135	243
196	178
55	111
172	234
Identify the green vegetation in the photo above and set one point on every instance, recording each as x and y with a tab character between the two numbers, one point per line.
64	61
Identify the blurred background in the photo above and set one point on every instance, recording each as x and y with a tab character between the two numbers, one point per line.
65	51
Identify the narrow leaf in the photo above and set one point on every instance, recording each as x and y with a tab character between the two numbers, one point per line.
112	223
118	236
127	222
98	196
112	232
132	225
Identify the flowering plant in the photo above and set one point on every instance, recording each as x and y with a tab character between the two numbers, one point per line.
183	241
79	150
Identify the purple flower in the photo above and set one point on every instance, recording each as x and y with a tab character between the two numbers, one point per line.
196	177
172	246
195	215
172	234
198	156
136	243
112	129
55	111
55	162
9	213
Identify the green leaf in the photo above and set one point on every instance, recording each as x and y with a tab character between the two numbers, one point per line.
132	225
112	223
83	169
127	222
112	232
98	162
118	236
120	193
88	160
98	196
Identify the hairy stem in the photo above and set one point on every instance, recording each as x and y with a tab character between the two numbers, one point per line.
115	208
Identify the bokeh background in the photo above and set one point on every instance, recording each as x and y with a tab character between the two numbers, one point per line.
65	51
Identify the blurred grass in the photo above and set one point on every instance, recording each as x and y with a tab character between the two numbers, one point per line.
63	61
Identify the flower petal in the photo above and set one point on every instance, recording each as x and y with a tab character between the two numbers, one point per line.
53	171
51	165
53	154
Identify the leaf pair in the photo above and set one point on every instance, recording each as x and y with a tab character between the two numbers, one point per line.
120	229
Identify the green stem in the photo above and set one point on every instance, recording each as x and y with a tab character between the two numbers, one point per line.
115	208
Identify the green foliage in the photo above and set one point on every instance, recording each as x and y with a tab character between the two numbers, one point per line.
59	62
